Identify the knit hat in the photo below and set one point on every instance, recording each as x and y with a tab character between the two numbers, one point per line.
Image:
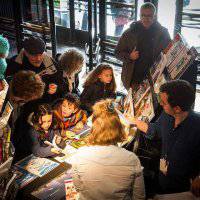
34	45
4	45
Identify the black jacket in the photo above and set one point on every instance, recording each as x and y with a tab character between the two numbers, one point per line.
94	93
49	71
149	43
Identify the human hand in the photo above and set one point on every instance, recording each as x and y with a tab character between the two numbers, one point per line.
52	88
195	187
131	119
58	139
134	55
163	166
55	150
79	125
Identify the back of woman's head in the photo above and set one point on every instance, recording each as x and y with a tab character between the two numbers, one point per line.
43	109
94	76
71	61
106	127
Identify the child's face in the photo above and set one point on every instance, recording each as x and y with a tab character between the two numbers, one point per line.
106	76
67	108
45	122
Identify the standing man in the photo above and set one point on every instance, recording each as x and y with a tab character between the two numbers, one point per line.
178	127
140	45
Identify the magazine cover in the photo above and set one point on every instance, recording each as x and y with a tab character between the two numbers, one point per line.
128	103
36	165
73	132
6	115
140	91
175	47
182	62
23	177
70	191
145	107
158	67
160	81
3	93
54	189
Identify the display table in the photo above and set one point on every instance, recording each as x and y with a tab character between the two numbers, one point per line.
28	191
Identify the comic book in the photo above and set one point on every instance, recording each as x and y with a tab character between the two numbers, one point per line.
37	166
158	67
145	107
70	190
54	189
5	115
3	93
23	177
128	103
74	133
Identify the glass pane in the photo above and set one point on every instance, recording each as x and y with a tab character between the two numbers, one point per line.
61	13
81	15
119	16
191	22
166	14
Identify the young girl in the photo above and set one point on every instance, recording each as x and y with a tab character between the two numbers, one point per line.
71	63
102	170
100	84
68	114
42	131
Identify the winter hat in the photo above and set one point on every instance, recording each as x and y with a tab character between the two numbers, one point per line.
34	45
4	45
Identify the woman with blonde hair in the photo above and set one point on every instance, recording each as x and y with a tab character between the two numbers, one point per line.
102	170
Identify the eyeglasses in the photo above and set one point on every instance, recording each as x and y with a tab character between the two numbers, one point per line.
147	16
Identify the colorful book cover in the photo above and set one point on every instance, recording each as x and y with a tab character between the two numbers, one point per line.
74	133
36	165
70	190
23	177
54	189
6	115
3	93
128	103
145	108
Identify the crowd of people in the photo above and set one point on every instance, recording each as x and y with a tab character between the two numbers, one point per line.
47	101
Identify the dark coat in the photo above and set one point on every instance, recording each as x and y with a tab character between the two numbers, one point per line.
49	75
94	93
131	39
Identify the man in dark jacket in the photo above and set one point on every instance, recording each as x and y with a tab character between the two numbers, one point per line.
140	45
33	57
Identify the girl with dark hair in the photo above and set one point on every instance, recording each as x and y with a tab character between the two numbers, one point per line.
41	131
100	84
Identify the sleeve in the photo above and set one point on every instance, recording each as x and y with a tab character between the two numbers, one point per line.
166	38
86	102
121	50
138	184
37	149
12	67
155	127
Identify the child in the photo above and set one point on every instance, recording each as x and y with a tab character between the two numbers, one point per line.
68	114
4	50
100	84
41	131
71	62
